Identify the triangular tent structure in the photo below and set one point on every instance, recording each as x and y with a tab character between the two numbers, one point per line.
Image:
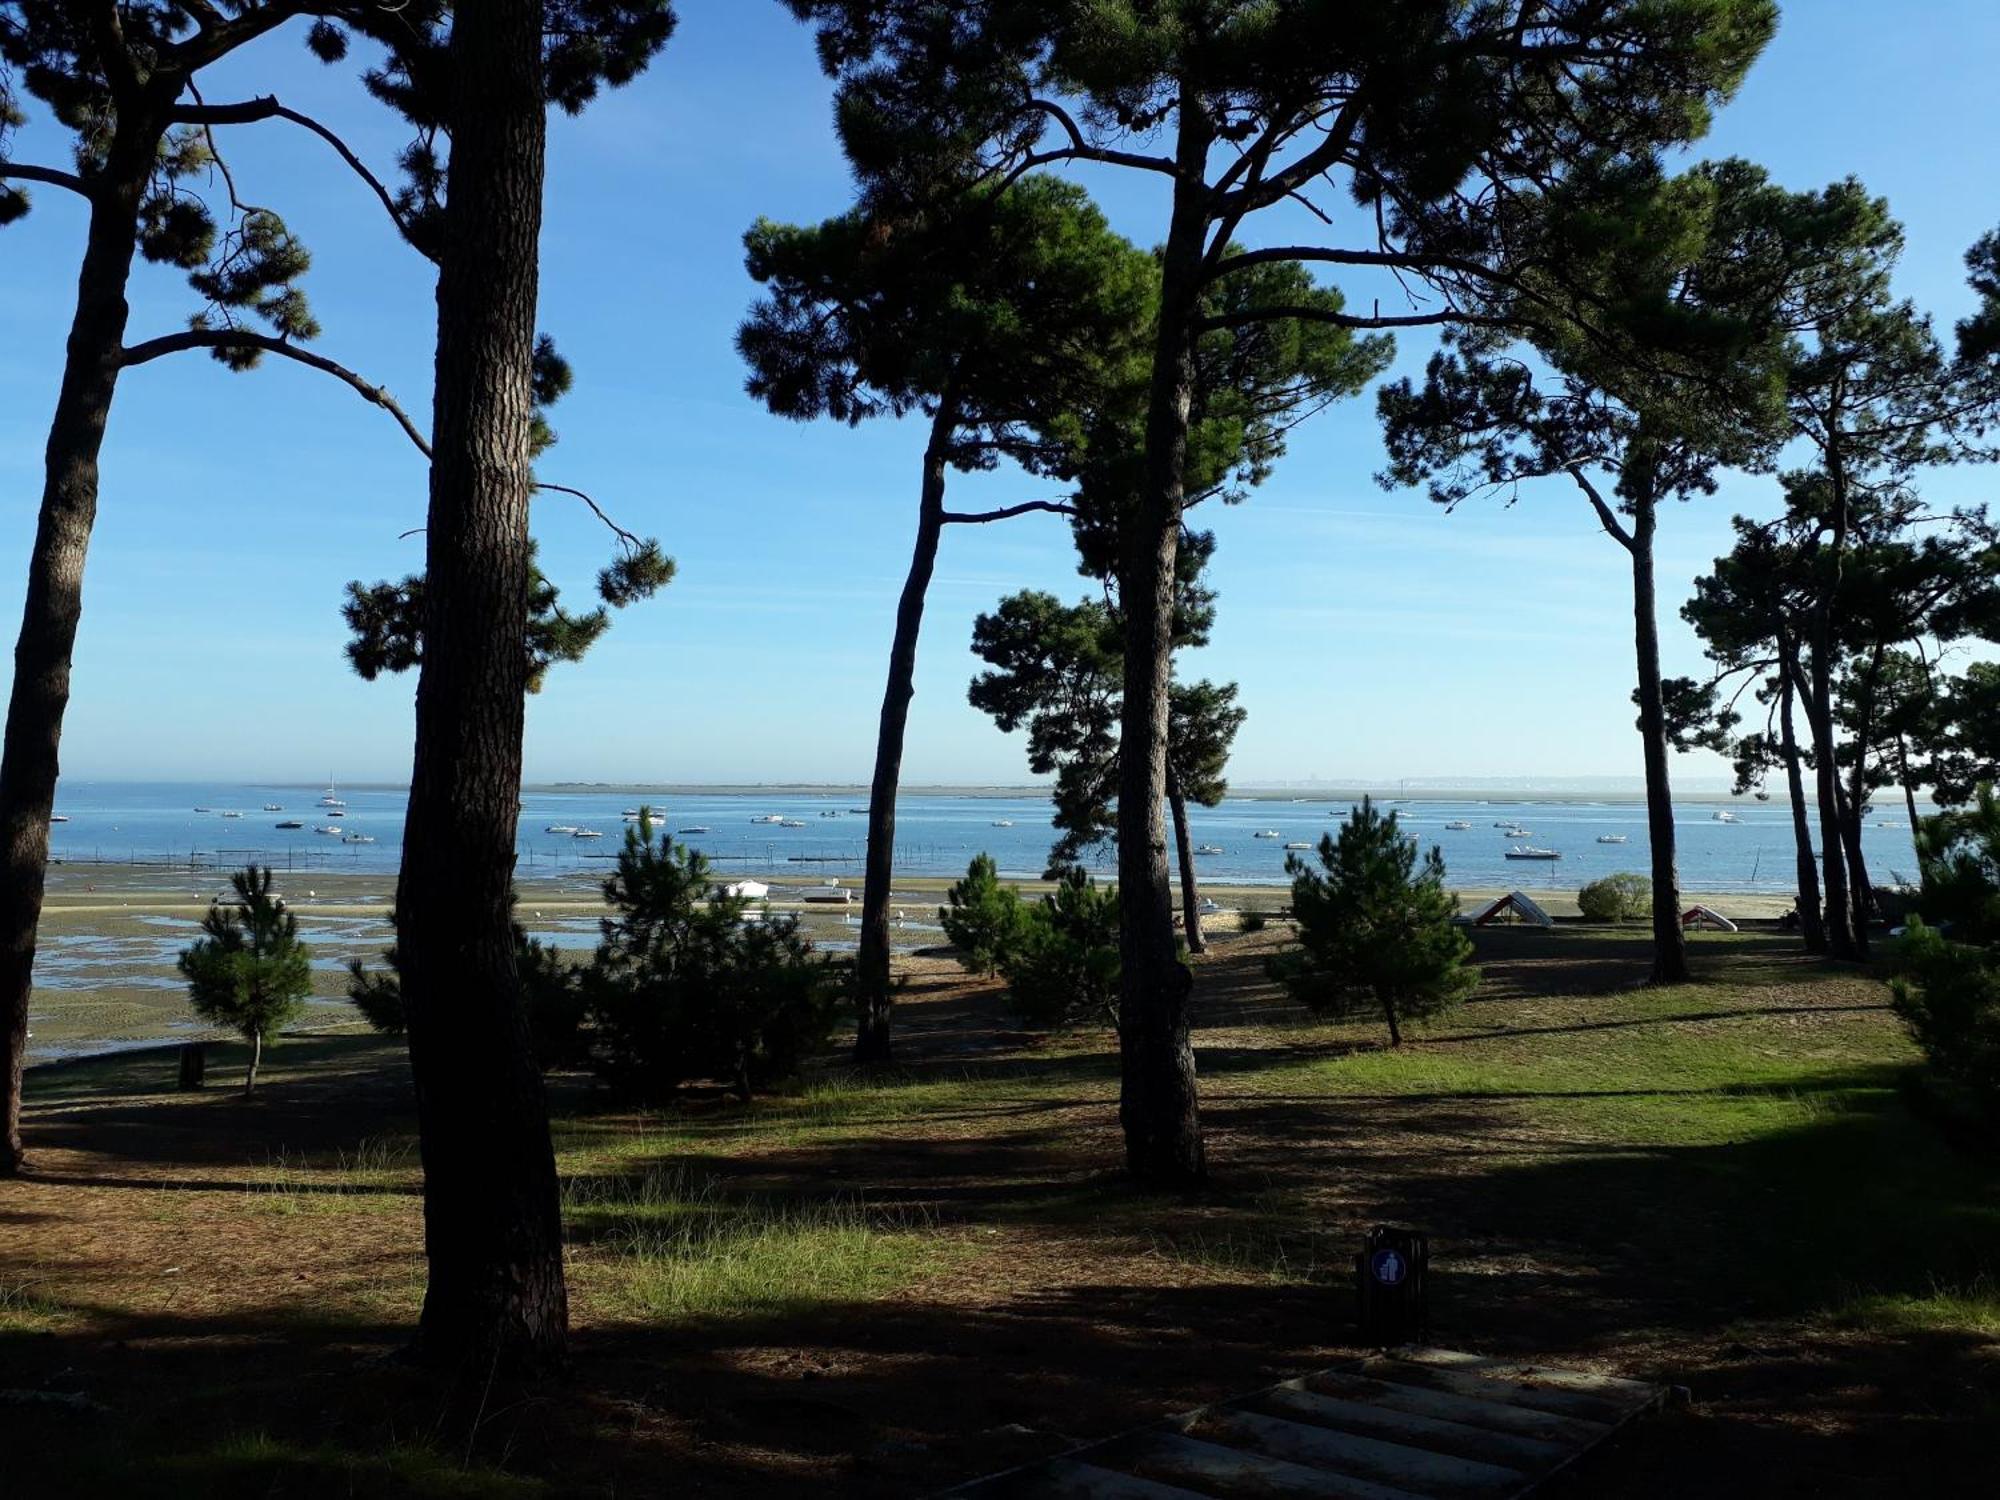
1515	906
1702	916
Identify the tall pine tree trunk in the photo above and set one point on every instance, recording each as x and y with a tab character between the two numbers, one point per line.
1860	889
256	1057
1184	854
1670	961
1910	800
1818	702
1158	1106
492	1229
871	1040
29	762
1811	924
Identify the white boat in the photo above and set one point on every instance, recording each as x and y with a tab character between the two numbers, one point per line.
1209	906
1457	825
586	833
1208	849
328	829
828	895
769	818
58	817
274	807
747	890
332	798
1613	838
1517	833
1723	816
1267	833
232	815
630	812
1003	822
1502	823
1300	845
791	822
560	828
359	838
693	828
1529	851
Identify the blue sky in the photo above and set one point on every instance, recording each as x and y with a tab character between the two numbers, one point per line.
1373	637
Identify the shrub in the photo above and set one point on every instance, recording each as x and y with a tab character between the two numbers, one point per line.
1948	996
1623	897
550	989
1960	854
985	919
250	972
689	983
1253	921
1375	932
1062	970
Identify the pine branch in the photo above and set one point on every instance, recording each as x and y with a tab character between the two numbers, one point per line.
22	171
980	518
627	538
1352	320
1606	516
243	339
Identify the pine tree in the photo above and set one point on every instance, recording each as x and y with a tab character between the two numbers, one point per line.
1375	930
250	972
1436	117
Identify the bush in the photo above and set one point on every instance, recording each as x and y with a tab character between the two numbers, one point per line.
1375	932
550	989
250	972
1253	921
1062	968
985	920
1948	996
1961	869
690	983
1623	897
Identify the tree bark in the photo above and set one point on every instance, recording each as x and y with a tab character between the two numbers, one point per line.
256	1056
1811	924
1184	852
1910	800
1861	890
874	992
495	1298
1670	961
1818	700
1158	1106
30	761
1395	1030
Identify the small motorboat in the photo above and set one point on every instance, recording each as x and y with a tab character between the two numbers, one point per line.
769	818
1267	833
693	828
1502	823
1208	849
1529	851
1457	825
1613	838
290	823
58	817
586	833
791	822
331	812
1209	906
560	828
274	807
828	895
204	809
1517	833
359	838
1723	815
329	828
630	812
232	815
862	810
1003	822
1300	844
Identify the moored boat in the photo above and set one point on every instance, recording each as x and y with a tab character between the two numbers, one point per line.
1529	851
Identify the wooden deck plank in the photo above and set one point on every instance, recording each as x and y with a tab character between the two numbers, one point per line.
1601	1409
1417	1470
1217	1469
1440	1435
1473	1411
1614	1387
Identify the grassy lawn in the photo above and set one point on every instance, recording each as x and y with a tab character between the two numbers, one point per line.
884	1283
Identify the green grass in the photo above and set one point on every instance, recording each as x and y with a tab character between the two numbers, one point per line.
256	1463
1965	1307
674	1246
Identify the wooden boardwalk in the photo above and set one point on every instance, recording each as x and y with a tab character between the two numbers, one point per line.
1412	1424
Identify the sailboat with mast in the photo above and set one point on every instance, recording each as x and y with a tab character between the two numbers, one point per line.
332	797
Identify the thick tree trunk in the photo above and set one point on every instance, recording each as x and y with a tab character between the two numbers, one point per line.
874	992
1184	854
492	1228
1670	961
1860	890
1811	925
1158	1106
29	764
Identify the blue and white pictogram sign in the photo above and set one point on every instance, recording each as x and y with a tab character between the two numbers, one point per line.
1388	1267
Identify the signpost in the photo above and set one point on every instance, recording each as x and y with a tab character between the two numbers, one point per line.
1390	1276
